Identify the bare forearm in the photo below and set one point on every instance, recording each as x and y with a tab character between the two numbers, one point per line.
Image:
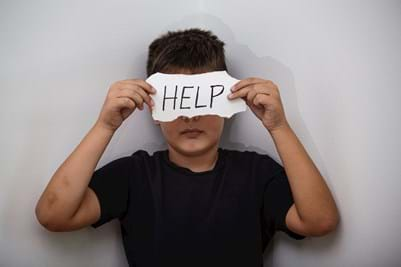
312	197
65	191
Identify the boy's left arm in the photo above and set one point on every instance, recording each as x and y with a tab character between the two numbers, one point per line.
314	212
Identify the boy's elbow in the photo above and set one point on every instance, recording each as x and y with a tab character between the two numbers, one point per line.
49	224
327	225
43	216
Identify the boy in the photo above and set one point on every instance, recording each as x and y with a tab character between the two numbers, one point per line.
193	204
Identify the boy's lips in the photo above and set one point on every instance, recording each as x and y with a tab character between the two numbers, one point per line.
191	130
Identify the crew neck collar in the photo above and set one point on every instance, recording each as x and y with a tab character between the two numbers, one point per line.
218	164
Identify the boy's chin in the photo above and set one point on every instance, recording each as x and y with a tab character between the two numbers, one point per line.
194	149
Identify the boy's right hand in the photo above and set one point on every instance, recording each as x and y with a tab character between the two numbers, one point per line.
122	99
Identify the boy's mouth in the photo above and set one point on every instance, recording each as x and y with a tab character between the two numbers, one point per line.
191	131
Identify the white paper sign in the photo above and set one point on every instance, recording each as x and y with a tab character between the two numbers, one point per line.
193	94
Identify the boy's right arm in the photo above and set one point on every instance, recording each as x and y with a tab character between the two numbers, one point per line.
67	202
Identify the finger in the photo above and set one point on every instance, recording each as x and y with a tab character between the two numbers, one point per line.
250	90
136	97
261	88
145	96
141	83
264	100
261	99
125	102
244	91
128	92
246	82
139	99
251	95
131	90
254	94
240	93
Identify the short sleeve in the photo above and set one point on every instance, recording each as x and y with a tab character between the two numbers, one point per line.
277	201
111	186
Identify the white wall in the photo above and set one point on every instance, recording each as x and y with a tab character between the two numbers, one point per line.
337	64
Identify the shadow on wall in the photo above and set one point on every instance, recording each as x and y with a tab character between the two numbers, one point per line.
242	63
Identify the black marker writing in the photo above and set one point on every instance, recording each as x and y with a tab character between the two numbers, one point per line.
212	95
182	96
196	99
175	96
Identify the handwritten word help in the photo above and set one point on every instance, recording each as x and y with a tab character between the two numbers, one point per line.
195	103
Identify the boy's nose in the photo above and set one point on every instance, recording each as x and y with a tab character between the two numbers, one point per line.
186	119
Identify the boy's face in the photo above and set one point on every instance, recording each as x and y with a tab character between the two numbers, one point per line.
178	132
207	135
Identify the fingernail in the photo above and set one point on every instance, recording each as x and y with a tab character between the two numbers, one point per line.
153	90
152	102
230	95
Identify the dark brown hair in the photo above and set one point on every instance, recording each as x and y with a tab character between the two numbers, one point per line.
193	49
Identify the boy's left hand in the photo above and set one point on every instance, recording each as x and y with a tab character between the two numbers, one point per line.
263	98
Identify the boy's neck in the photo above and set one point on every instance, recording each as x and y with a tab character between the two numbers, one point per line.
198	163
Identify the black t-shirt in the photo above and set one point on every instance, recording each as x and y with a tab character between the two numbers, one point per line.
171	216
